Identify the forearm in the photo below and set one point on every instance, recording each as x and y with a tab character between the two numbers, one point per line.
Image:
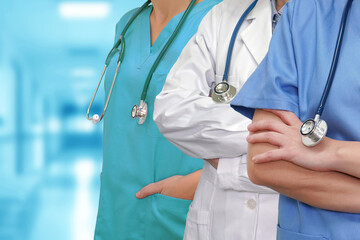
328	190
193	179
190	181
232	175
324	189
204	130
189	118
177	186
347	158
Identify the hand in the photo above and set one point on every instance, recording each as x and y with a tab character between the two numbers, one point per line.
286	135
177	186
213	162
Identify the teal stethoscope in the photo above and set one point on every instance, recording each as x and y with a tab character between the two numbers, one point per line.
138	112
314	130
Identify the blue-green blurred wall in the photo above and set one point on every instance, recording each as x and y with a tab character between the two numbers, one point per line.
50	156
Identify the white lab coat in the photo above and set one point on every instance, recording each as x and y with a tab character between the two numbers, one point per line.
226	205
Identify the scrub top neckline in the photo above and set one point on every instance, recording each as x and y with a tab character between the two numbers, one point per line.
168	29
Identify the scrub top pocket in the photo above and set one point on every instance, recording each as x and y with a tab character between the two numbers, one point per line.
168	214
288	234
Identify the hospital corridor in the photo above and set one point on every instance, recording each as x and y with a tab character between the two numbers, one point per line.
51	56
179	120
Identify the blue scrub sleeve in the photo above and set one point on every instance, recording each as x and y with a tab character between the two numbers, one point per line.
274	85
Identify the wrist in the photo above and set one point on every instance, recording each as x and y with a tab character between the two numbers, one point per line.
334	152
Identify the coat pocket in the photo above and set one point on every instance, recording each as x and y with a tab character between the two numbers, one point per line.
198	221
197	225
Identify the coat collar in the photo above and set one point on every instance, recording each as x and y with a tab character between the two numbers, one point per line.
257	35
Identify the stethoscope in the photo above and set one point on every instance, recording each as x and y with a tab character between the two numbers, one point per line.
138	111
223	92
314	130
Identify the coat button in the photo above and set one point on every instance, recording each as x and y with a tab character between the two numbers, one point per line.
251	203
199	38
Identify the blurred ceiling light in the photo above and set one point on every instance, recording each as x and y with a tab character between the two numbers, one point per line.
83	72
81	10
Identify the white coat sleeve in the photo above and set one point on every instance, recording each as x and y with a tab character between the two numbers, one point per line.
184	112
232	175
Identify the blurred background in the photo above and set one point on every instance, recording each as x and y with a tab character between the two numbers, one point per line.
51	56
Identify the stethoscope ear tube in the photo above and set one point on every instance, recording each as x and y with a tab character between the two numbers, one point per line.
119	43
95	118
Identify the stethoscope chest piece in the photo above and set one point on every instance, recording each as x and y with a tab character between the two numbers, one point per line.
313	131
223	92
140	112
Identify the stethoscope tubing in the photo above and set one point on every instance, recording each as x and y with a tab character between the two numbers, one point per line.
318	126
165	48
119	43
335	59
233	38
121	39
93	97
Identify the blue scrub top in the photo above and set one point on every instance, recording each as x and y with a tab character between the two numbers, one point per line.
292	77
137	155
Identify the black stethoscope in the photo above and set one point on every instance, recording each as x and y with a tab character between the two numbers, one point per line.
314	130
138	112
223	92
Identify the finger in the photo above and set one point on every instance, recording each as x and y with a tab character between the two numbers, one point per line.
269	156
287	117
270	124
149	190
273	138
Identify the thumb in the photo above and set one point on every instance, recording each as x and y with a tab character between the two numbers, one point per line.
148	190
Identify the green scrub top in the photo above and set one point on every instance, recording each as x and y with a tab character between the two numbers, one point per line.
137	155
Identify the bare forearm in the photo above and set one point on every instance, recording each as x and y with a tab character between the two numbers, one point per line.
185	187
329	190
192	180
347	158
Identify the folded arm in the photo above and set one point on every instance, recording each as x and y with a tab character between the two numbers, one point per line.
326	189
184	111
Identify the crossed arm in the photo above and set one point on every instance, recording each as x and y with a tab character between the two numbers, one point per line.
325	176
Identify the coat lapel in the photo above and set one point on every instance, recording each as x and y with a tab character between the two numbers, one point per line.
257	35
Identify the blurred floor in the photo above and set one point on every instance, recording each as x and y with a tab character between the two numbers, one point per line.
66	202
